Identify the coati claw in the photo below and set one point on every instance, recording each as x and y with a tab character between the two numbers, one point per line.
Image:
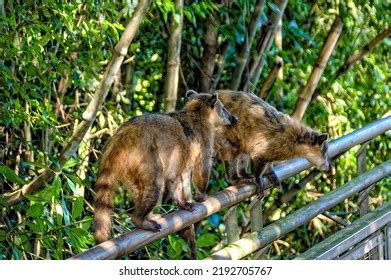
245	180
274	180
156	226
189	206
200	197
151	226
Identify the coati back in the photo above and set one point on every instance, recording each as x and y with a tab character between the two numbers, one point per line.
267	136
151	152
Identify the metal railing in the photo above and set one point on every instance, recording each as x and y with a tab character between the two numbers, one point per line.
180	219
276	230
365	235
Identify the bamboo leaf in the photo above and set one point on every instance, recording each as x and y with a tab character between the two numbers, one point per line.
10	175
35	210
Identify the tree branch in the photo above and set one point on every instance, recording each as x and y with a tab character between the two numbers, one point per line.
364	50
173	59
265	44
209	55
245	51
317	71
353	59
220	65
271	78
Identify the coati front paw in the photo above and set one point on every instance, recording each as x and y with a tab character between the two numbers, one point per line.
274	180
200	197
155	227
150	225
245	180
188	206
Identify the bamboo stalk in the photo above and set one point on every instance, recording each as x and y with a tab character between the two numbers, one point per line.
2	8
209	55
245	50
256	214
231	224
93	107
271	78
317	71
278	43
28	154
350	61
220	65
129	72
360	54
173	59
361	160
265	44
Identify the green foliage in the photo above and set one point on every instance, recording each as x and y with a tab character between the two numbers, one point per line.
53	55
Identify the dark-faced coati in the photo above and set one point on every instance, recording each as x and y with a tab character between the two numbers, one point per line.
267	136
151	152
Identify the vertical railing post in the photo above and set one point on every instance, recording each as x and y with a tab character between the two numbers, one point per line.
256	216
256	220
387	237
361	159
231	224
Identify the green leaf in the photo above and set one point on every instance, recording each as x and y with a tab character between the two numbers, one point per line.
77	207
35	210
10	175
176	244
3	235
75	179
3	202
38	226
48	193
70	163
206	240
72	186
65	210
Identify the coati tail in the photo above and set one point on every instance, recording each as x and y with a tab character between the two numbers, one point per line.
188	234
103	206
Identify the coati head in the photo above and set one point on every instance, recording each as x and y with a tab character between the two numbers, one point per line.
314	147
218	115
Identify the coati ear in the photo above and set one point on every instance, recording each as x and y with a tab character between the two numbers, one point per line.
322	138
191	93
213	100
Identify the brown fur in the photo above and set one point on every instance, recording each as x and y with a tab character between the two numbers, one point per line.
267	136
151	152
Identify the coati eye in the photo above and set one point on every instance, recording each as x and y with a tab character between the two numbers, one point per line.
322	138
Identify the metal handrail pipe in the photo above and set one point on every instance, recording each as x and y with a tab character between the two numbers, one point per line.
232	195
349	236
276	230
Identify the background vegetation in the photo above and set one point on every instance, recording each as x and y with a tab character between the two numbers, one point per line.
53	55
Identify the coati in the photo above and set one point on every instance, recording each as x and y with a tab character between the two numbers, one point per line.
151	152
266	136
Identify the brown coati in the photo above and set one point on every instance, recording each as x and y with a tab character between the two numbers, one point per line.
156	151
266	136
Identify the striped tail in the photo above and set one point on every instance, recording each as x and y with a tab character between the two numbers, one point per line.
103	207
